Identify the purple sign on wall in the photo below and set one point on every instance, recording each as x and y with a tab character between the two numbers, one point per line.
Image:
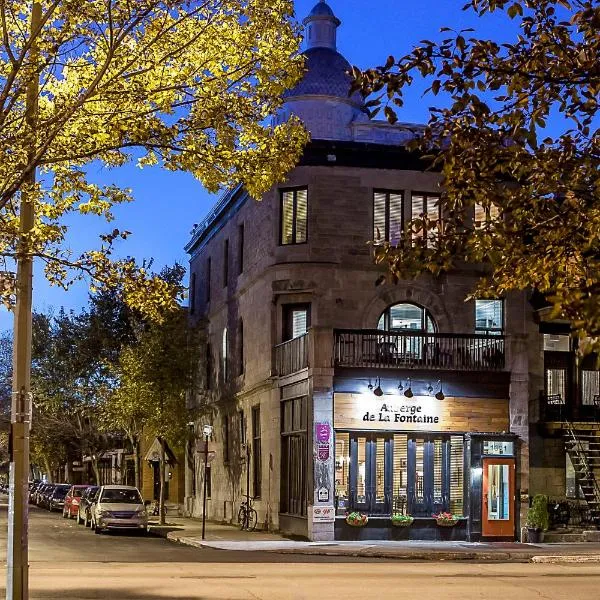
322	432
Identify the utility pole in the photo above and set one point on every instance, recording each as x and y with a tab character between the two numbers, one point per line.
17	580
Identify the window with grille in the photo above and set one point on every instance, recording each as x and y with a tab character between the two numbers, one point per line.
388	210
294	216
556	385
489	316
427	208
590	388
256	452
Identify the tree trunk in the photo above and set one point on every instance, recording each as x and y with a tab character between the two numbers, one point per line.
96	470
136	464
48	469
161	498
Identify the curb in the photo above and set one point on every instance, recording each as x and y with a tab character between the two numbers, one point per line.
420	556
582	558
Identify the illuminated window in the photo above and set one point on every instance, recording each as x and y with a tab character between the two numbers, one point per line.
387	216
485	215
427	206
294	216
489	316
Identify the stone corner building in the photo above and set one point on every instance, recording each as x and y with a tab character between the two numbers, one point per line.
329	394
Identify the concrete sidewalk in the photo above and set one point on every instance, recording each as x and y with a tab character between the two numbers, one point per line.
227	537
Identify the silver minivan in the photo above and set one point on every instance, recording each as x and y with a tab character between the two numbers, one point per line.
119	507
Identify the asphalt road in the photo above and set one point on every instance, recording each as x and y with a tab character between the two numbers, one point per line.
71	563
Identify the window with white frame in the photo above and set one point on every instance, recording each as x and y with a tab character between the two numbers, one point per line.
427	207
388	208
489	316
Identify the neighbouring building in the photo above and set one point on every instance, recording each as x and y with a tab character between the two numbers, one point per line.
329	394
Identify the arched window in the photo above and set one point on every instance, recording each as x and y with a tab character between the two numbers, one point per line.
224	353
404	315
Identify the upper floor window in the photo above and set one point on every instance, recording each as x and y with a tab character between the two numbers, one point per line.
485	214
207	278
388	208
294	216
489	316
296	320
427	206
224	357
240	249
225	262
407	316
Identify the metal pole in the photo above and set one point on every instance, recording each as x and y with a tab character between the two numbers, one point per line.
17	577
204	486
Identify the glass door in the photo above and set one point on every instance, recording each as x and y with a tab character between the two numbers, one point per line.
371	473
428	481
498	502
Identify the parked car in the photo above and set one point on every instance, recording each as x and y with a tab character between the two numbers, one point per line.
34	495
72	499
45	495
86	503
119	507
56	500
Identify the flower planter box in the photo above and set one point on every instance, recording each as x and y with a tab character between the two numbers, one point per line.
402	523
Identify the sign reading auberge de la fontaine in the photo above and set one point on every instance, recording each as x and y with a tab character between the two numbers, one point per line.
358	411
402	413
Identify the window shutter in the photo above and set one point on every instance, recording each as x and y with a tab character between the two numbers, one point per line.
287	218
417	210
301	216
433	216
299	323
395	219
379	229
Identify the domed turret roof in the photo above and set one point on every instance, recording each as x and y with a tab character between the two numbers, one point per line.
322	9
326	75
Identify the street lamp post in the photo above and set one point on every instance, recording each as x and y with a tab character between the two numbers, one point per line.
17	563
206	432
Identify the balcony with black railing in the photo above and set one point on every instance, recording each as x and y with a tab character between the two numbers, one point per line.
376	348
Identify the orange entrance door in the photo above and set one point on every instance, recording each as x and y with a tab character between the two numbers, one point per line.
498	502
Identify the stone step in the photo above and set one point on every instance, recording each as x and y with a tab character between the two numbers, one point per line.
555	537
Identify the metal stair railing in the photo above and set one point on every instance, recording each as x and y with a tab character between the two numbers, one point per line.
582	464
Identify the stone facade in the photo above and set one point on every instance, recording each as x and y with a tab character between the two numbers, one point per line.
334	273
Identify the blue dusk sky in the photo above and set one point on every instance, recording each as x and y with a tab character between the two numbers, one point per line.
168	204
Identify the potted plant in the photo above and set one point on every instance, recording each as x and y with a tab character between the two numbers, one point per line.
400	520
356	519
537	519
446	519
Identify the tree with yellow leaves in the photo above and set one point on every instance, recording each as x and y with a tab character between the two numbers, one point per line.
189	85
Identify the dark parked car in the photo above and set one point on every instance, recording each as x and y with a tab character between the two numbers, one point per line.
56	500
85	504
45	495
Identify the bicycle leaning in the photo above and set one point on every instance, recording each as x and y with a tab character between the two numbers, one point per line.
247	516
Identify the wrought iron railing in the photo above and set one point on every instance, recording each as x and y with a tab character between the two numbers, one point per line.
388	349
291	356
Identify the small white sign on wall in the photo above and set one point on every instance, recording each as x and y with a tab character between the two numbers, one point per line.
323	514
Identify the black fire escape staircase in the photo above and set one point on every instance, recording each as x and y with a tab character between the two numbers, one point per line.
583	448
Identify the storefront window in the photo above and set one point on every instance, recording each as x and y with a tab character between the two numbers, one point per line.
403	473
342	471
400	473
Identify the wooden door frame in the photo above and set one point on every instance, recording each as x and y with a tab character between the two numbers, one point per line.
497	460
